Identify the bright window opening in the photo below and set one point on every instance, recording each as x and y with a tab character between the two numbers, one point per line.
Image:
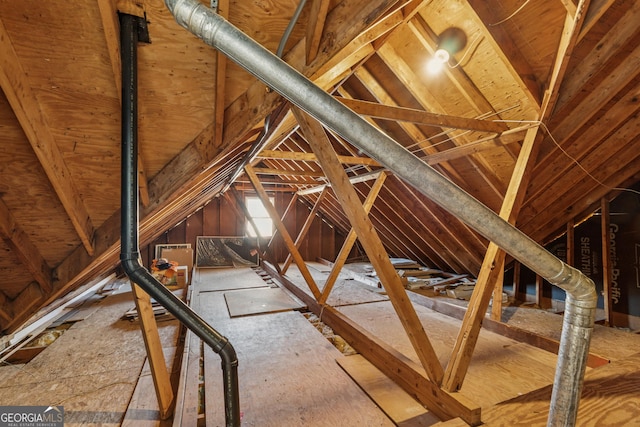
260	217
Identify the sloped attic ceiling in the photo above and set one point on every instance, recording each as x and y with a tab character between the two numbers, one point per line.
576	68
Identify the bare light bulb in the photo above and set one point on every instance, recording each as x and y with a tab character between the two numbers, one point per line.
436	63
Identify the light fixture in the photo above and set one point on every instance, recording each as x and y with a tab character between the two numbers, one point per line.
450	41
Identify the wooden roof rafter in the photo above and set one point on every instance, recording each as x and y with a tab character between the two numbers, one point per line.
315	26
24	249
420	142
492	269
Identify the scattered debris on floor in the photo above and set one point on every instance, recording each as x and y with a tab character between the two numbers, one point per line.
418	277
337	341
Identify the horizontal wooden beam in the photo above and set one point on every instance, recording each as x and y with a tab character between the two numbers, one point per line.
507	137
390	112
271	171
521	335
353	180
310	157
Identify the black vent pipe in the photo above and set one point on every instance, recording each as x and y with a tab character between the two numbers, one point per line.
130	253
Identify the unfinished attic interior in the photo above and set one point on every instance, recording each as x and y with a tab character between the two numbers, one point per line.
321	212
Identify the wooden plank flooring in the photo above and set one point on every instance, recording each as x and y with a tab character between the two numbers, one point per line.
403	409
224	279
288	370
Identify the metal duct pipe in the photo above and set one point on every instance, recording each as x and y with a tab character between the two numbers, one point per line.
581	295
130	254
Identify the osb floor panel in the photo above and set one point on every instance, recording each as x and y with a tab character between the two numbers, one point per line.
247	302
91	370
611	397
504	372
287	371
500	369
345	291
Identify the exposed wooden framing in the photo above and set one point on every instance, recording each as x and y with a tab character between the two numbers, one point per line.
596	10
430	102
6	311
287	211
243	211
24	249
192	166
568	41
392	363
493	265
492	269
384	221
605	222
305	229
286	237
570	242
353	180
369	239
310	157
24	303
317	17
271	171
349	241
508	137
390	112
504	329
496	301
17	89
442	230
458	77
570	6
153	345
341	65
539	290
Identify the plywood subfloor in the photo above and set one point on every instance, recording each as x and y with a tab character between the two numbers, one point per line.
246	302
346	291
91	370
288	372
611	397
224	279
500	369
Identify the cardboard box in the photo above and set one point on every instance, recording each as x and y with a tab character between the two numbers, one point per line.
181	256
182	276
